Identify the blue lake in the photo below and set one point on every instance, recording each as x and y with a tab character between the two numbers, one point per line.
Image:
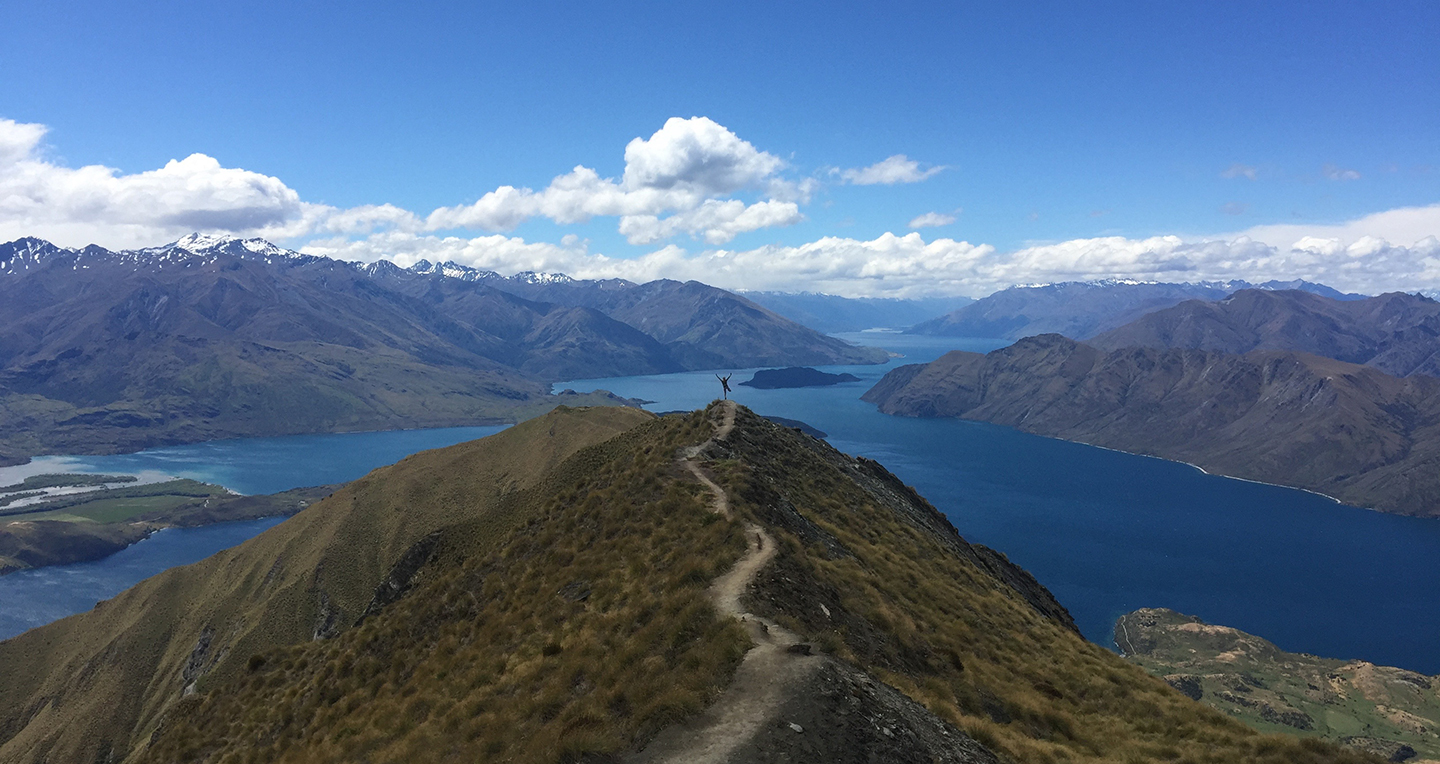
31	598
1107	532
262	465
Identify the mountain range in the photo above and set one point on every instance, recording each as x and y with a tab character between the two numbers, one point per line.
213	337
1396	333
604	585
1349	431
830	313
1082	309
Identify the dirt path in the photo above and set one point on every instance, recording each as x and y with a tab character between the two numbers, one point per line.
766	674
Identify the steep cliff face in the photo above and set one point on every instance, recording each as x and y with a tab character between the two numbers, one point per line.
603	585
1344	430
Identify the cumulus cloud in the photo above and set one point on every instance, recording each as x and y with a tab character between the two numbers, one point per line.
686	167
888	172
1334	172
932	220
1238	170
78	205
1357	256
679	180
717	222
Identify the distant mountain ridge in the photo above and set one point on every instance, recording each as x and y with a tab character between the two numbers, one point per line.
830	313
1396	333
1348	431
1082	309
210	337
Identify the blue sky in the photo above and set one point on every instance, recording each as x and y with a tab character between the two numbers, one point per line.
1066	136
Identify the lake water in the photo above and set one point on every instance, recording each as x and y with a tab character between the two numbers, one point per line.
1107	532
260	465
31	598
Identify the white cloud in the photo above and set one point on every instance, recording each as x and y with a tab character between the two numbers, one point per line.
1339	173
686	167
1343	256
1404	224
889	171
98	203
932	220
696	154
1238	170
716	221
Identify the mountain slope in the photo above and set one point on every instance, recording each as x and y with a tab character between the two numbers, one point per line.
1398	334
114	672
213	337
1344	430
1386	710
1083	309
517	603
704	327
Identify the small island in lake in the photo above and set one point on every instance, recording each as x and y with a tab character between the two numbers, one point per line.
796	376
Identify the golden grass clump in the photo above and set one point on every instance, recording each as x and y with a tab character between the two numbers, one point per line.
950	635
585	630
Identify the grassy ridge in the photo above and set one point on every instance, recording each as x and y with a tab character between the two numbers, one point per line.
584	630
546	603
97	684
902	602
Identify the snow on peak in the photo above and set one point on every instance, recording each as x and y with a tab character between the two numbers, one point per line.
452	270
531	277
208	243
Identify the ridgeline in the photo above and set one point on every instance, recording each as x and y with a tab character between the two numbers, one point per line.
599	585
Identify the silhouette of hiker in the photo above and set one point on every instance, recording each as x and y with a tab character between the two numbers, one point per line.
725	385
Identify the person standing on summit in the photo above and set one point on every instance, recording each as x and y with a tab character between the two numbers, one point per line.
724	385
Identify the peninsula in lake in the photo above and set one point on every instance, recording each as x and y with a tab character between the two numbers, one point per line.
1345	430
63	519
1384	710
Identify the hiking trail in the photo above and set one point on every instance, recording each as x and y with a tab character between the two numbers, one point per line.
768	671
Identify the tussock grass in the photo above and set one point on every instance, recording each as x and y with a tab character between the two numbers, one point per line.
951	636
585	631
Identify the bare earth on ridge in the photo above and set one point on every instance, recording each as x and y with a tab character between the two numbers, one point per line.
767	675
